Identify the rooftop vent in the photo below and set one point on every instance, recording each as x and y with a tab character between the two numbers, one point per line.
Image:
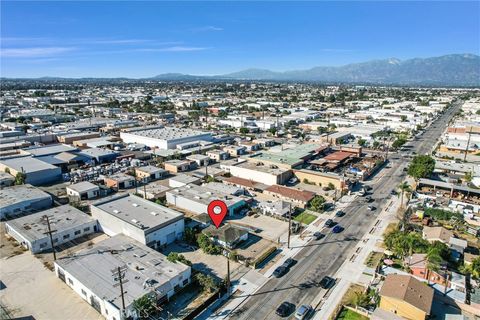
135	204
154	213
134	220
116	211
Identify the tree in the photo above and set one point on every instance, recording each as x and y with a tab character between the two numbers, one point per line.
404	188
176	257
403	118
421	166
20	178
468	176
273	131
207	245
244	130
398	143
206	282
316	204
190	236
145	306
362	142
375	144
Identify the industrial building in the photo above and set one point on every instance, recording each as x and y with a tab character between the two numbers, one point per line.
67	222
145	221
150	173
36	171
93	274
260	172
164	138
83	191
22	199
195	199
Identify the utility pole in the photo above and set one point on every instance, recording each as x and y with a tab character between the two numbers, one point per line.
118	277
468	143
50	231
145	191
228	272
289	225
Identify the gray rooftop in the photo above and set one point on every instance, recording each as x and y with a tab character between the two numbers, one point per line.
34	226
150	169
138	212
204	195
28	164
169	133
93	268
184	178
49	150
83	186
21	193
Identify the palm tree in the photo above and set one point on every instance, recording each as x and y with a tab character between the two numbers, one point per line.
404	188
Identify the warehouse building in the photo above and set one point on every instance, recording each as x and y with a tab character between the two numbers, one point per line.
260	172
68	222
83	191
195	199
22	199
164	138
150	173
91	274
145	221
36	171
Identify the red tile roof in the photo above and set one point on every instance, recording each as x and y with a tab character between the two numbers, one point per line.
295	194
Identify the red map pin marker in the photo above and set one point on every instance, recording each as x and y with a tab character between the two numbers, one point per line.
217	210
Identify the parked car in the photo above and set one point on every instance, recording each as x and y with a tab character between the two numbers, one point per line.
327	282
337	229
289	262
371	208
340	213
293	180
329	223
368	199
303	311
318	235
285	309
280	271
393	193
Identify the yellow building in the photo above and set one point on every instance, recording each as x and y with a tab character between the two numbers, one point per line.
406	297
322	179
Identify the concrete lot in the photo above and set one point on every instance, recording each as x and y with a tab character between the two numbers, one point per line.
253	247
214	265
270	228
32	290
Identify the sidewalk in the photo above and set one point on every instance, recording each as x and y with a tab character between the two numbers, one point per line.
253	280
354	270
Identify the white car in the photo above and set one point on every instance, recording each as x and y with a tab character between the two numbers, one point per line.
303	311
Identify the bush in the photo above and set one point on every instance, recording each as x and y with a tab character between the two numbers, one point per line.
207	245
439	214
174	257
206	282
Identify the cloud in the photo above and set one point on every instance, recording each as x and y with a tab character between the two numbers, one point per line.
172	49
207	29
34	52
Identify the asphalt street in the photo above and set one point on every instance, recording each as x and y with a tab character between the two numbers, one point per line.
320	258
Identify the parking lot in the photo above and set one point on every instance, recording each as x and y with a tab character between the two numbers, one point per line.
31	290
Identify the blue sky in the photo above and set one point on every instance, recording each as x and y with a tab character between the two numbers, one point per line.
142	39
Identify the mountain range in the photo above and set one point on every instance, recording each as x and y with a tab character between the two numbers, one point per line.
453	70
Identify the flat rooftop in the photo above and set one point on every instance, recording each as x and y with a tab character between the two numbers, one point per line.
48	150
93	268
290	157
28	164
138	212
34	226
21	193
262	167
169	133
150	169
83	186
203	195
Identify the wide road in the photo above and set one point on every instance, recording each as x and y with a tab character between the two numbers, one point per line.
324	257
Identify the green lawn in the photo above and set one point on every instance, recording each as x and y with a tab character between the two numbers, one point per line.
348	314
305	217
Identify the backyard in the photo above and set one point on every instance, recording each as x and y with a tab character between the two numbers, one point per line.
348	314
